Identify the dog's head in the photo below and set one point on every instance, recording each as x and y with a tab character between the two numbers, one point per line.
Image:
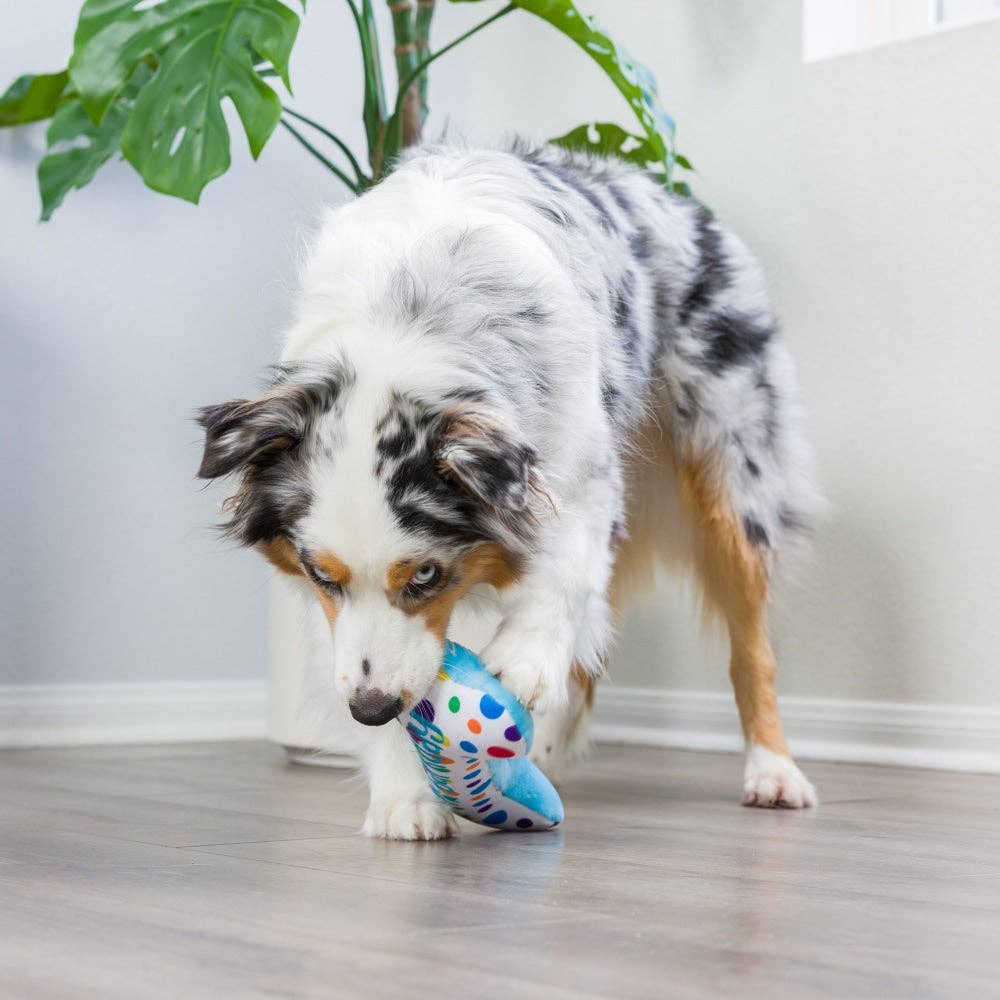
390	507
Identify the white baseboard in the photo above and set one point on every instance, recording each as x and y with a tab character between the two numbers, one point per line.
55	715
949	737
946	737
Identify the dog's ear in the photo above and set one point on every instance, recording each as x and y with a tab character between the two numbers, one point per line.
477	450
246	432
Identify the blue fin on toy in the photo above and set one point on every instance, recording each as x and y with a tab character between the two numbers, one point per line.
473	737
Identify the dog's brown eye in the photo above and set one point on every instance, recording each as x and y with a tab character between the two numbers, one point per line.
426	576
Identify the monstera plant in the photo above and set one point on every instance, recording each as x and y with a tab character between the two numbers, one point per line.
149	79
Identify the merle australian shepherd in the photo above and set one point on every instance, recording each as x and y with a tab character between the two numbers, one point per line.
539	374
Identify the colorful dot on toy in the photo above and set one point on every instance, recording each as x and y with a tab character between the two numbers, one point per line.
496	786
490	708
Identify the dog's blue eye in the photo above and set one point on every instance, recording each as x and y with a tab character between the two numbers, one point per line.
427	574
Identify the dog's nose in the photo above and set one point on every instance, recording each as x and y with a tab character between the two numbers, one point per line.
372	707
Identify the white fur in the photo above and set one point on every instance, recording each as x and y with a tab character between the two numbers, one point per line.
402	806
771	779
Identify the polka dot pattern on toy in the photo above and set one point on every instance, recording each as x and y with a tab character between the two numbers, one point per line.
488	779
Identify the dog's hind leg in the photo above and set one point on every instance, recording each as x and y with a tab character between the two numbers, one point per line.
561	734
734	568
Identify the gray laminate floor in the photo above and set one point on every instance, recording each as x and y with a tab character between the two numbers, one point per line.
219	871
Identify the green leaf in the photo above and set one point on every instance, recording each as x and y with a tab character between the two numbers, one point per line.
204	51
77	148
95	15
634	81
32	98
609	139
373	107
61	170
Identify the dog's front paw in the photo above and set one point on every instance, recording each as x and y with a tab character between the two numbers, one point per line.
527	671
409	819
772	780
525	682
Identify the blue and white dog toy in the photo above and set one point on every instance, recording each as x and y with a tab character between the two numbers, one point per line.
473	737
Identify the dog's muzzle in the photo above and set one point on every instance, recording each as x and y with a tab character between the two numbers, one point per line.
372	707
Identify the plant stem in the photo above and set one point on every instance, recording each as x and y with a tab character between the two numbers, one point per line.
408	82
338	142
368	16
319	156
422	25
392	135
405	51
373	109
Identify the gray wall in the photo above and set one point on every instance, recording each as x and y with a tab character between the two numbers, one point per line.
867	183
119	317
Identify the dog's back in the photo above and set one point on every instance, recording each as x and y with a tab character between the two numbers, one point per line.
582	285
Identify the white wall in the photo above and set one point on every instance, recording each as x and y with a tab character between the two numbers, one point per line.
119	317
868	184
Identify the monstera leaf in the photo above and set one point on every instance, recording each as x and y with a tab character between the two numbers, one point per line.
636	83
609	139
77	148
32	98
201	51
149	77
98	14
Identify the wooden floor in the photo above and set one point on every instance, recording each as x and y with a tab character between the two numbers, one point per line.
221	871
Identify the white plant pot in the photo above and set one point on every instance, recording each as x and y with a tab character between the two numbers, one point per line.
306	715
298	643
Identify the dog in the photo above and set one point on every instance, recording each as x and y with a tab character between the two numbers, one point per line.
538	374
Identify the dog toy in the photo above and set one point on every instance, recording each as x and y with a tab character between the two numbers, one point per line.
473	736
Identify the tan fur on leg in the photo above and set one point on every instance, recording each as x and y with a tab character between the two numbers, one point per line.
680	516
735	576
